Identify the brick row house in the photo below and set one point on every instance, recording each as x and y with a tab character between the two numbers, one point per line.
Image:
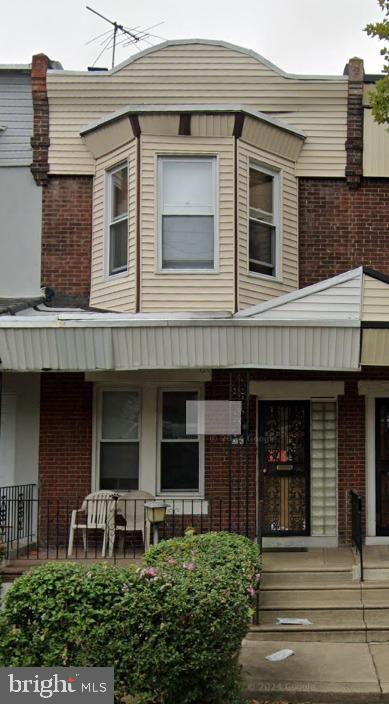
213	230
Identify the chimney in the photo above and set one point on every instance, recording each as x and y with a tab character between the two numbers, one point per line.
354	142
40	141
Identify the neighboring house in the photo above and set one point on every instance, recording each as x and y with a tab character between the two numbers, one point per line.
20	269
188	197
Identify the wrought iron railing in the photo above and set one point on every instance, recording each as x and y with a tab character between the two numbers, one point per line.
39	528
16	515
259	542
357	526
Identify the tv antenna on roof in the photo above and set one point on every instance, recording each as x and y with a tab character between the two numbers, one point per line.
122	35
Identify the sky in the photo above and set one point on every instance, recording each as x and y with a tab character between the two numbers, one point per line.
299	36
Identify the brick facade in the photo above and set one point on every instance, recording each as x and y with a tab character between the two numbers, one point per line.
65	441
67	238
341	228
66	450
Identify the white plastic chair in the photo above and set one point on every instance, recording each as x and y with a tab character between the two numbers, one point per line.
99	510
131	507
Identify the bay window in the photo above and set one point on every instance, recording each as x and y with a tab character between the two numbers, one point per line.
119	440
179	452
187	209
117	219
263	220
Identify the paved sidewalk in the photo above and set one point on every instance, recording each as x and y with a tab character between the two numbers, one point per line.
353	673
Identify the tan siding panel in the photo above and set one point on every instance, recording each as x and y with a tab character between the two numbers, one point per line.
113	293
159	124
204	74
189	292
109	138
255	289
375	300
375	147
375	348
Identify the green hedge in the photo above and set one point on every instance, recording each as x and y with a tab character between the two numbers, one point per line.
171	630
234	553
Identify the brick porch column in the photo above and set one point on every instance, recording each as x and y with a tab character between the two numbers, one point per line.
351	455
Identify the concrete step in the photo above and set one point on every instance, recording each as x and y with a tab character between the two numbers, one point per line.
375	574
308	580
343	625
311	599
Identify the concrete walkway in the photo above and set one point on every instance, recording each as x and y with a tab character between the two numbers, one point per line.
353	673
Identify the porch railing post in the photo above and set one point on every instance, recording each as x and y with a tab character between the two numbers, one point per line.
357	527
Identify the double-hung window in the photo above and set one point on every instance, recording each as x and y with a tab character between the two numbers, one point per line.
117	219
179	450
119	440
187	210
263	220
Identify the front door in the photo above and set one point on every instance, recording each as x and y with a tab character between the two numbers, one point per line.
382	466
284	467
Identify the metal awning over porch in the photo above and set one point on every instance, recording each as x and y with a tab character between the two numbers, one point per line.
115	342
315	328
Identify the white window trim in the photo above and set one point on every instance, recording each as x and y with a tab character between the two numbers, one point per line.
149	458
185	493
108	222
97	430
214	159
277	212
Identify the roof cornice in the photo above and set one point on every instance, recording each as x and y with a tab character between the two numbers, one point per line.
143	109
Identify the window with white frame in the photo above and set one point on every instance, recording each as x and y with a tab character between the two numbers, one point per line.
179	452
263	220
187	211
119	440
117	219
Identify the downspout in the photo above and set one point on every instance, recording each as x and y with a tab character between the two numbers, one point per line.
134	120
237	133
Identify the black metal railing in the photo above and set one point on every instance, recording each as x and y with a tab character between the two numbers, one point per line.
357	526
16	515
115	526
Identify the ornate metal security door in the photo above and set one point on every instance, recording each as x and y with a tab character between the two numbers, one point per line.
284	467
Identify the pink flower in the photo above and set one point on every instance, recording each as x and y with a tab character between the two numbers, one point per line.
258	577
189	566
151	572
171	561
251	591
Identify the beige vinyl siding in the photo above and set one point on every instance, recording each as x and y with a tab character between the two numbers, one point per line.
375	300
182	291
109	137
375	146
255	289
271	139
116	293
375	348
199	73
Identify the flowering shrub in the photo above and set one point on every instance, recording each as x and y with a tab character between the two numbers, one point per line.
233	553
171	630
